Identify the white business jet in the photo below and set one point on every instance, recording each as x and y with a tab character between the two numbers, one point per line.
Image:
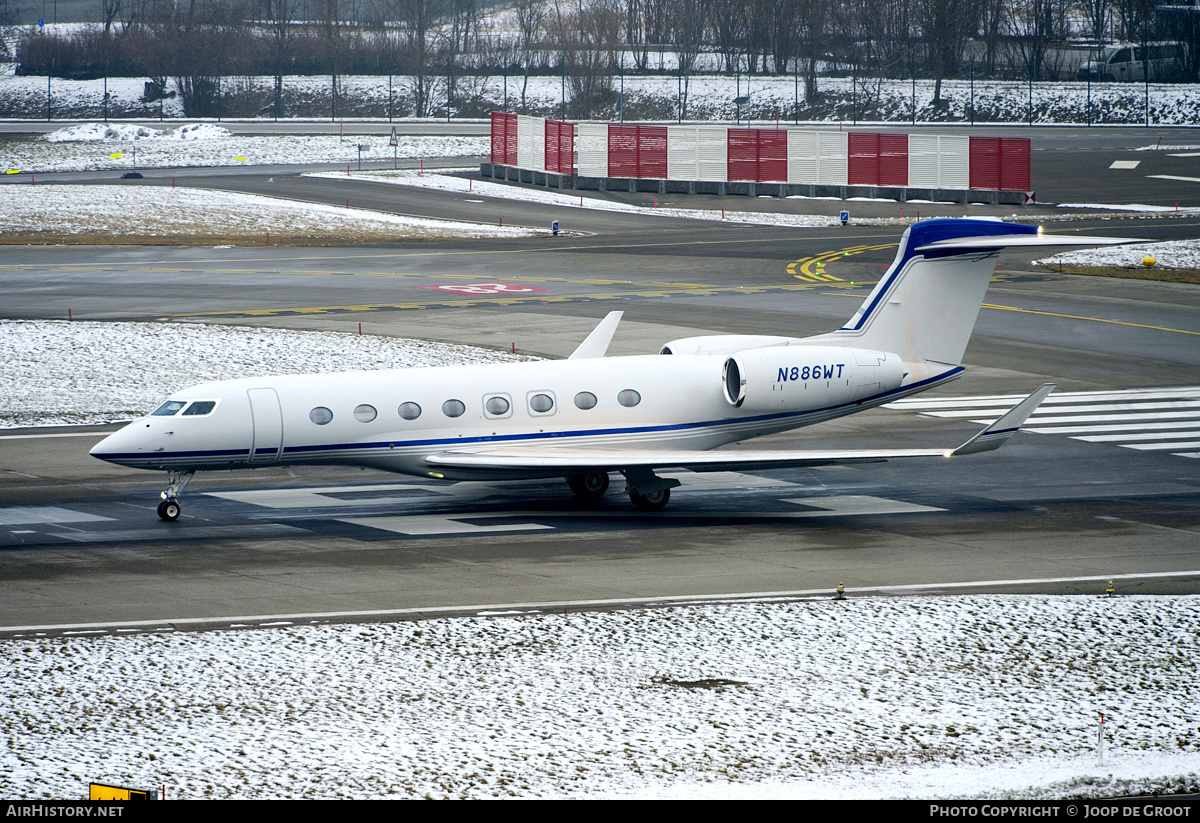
589	415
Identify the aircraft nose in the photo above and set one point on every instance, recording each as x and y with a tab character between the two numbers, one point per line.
120	444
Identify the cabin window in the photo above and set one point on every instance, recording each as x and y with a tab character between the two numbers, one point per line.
169	408
629	398
200	407
409	411
497	406
585	400
365	413
541	403
454	408
320	415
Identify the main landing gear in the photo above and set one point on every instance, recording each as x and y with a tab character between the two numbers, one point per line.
589	486
169	508
647	490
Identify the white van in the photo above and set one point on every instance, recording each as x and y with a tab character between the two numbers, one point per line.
1126	62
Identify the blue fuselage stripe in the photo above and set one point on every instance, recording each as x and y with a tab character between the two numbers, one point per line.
874	400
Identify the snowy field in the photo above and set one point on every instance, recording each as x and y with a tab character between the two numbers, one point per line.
149	214
710	97
125	147
157	213
936	697
1179	254
59	372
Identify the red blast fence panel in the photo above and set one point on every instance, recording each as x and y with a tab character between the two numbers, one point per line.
560	147
877	159
757	154
1000	163
637	151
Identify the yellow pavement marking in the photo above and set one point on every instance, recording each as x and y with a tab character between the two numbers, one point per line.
1091	319
692	291
812	268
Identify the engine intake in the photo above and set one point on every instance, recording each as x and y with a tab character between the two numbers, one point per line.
799	378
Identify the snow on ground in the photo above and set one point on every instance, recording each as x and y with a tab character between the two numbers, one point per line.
60	372
937	697
709	97
94	132
529	194
125	147
146	213
1178	254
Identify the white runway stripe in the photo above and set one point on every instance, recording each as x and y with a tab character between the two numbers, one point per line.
1142	419
1078	418
1194	444
1113	427
1118	438
1007	400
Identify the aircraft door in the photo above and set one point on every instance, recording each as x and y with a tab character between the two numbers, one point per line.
268	425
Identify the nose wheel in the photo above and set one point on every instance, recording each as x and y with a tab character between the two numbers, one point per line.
169	509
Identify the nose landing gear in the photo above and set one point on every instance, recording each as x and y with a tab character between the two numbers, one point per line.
169	508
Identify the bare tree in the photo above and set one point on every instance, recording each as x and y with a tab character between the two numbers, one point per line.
691	23
419	19
812	20
587	35
277	27
1036	25
945	27
531	20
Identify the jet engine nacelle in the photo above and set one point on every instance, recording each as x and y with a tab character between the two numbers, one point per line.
722	343
798	378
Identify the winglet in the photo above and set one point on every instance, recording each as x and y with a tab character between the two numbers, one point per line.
997	434
597	342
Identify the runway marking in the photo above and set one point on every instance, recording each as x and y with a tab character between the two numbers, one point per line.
25	515
313	498
1158	435
810	268
60	434
1125	164
671	291
1175	177
429	525
1124	421
858	504
435	612
1091	319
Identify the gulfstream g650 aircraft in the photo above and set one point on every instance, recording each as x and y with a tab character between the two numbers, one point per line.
589	415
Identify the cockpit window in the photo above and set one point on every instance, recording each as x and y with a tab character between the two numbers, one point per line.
200	407
169	408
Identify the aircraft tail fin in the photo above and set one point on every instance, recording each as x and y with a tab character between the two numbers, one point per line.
925	306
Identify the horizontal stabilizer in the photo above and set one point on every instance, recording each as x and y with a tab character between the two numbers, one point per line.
997	434
1004	241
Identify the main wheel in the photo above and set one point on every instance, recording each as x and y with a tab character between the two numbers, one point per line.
651	501
169	510
594	484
